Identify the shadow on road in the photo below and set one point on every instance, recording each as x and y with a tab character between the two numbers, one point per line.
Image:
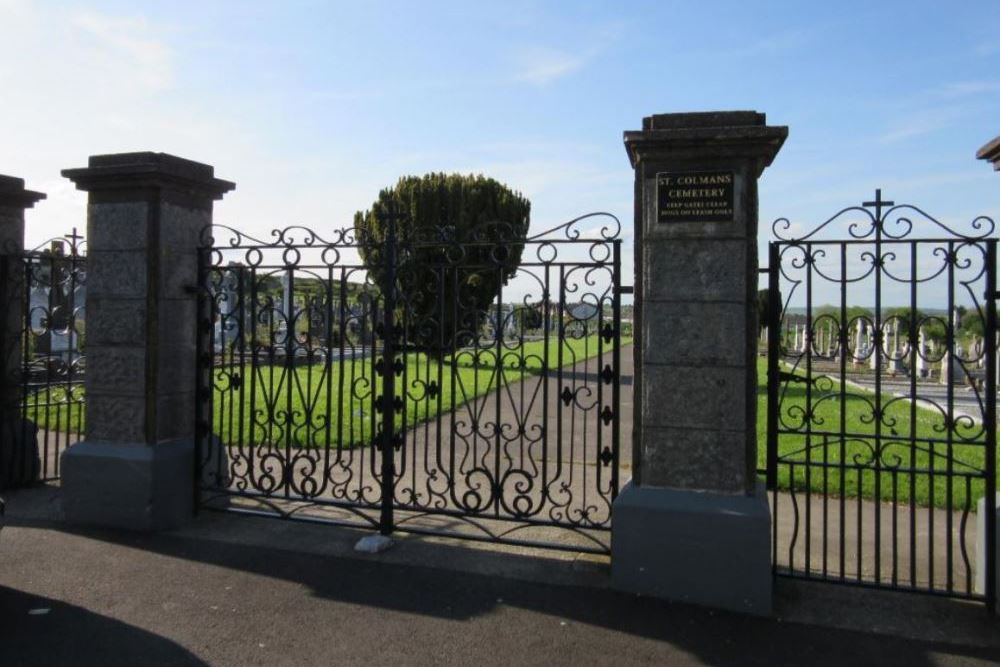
39	631
715	638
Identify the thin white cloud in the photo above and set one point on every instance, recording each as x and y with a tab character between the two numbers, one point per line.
541	66
130	42
967	89
920	123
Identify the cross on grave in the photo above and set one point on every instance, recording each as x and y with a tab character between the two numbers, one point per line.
74	242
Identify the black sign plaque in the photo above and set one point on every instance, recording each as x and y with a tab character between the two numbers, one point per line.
694	196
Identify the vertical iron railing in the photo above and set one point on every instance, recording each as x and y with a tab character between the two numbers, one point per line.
411	404
990	350
388	400
42	400
903	458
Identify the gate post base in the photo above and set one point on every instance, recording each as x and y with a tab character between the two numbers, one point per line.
700	547
129	485
982	516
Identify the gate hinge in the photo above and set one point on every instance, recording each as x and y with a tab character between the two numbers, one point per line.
625	289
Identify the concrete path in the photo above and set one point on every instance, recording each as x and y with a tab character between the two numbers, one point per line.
232	590
546	462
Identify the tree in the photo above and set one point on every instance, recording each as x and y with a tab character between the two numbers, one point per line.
459	239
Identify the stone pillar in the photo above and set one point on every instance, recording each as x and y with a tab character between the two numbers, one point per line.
694	524
18	448
145	214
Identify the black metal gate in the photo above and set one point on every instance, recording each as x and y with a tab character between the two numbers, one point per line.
41	357
361	381
881	401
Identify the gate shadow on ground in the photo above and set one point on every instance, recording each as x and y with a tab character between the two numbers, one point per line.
716	638
43	638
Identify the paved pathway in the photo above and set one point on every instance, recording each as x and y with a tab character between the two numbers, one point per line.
547	461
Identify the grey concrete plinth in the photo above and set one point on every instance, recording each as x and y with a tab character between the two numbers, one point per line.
700	547
129	485
982	516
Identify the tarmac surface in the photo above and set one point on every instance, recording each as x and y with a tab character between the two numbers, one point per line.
233	590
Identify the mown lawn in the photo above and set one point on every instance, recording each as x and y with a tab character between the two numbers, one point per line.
332	403
913	454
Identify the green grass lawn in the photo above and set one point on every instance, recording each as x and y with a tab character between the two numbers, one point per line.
319	404
914	452
333	404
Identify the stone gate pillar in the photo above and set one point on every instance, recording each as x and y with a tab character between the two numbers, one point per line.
18	449
693	524
145	214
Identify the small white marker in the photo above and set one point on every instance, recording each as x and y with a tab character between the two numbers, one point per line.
373	544
40	611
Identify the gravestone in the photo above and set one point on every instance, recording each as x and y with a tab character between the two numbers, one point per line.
693	524
922	369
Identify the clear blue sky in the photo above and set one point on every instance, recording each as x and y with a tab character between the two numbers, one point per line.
311	107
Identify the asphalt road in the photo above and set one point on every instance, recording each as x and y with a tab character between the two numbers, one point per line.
116	598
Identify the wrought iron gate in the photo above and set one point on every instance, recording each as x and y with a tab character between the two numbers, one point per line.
881	395
361	381
41	357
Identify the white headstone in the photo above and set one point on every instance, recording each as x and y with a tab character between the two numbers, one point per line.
920	364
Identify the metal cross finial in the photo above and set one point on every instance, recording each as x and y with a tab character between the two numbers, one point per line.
879	203
74	241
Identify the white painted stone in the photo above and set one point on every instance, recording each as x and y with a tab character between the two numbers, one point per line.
373	544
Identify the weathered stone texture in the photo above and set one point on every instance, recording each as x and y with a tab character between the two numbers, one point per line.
693	458
182	227
118	226
707	397
116	369
115	417
116	321
116	274
686	333
705	270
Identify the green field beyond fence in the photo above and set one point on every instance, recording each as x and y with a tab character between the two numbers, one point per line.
319	403
914	455
331	404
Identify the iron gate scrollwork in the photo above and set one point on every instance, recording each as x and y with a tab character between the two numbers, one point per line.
363	392
882	367
42	294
